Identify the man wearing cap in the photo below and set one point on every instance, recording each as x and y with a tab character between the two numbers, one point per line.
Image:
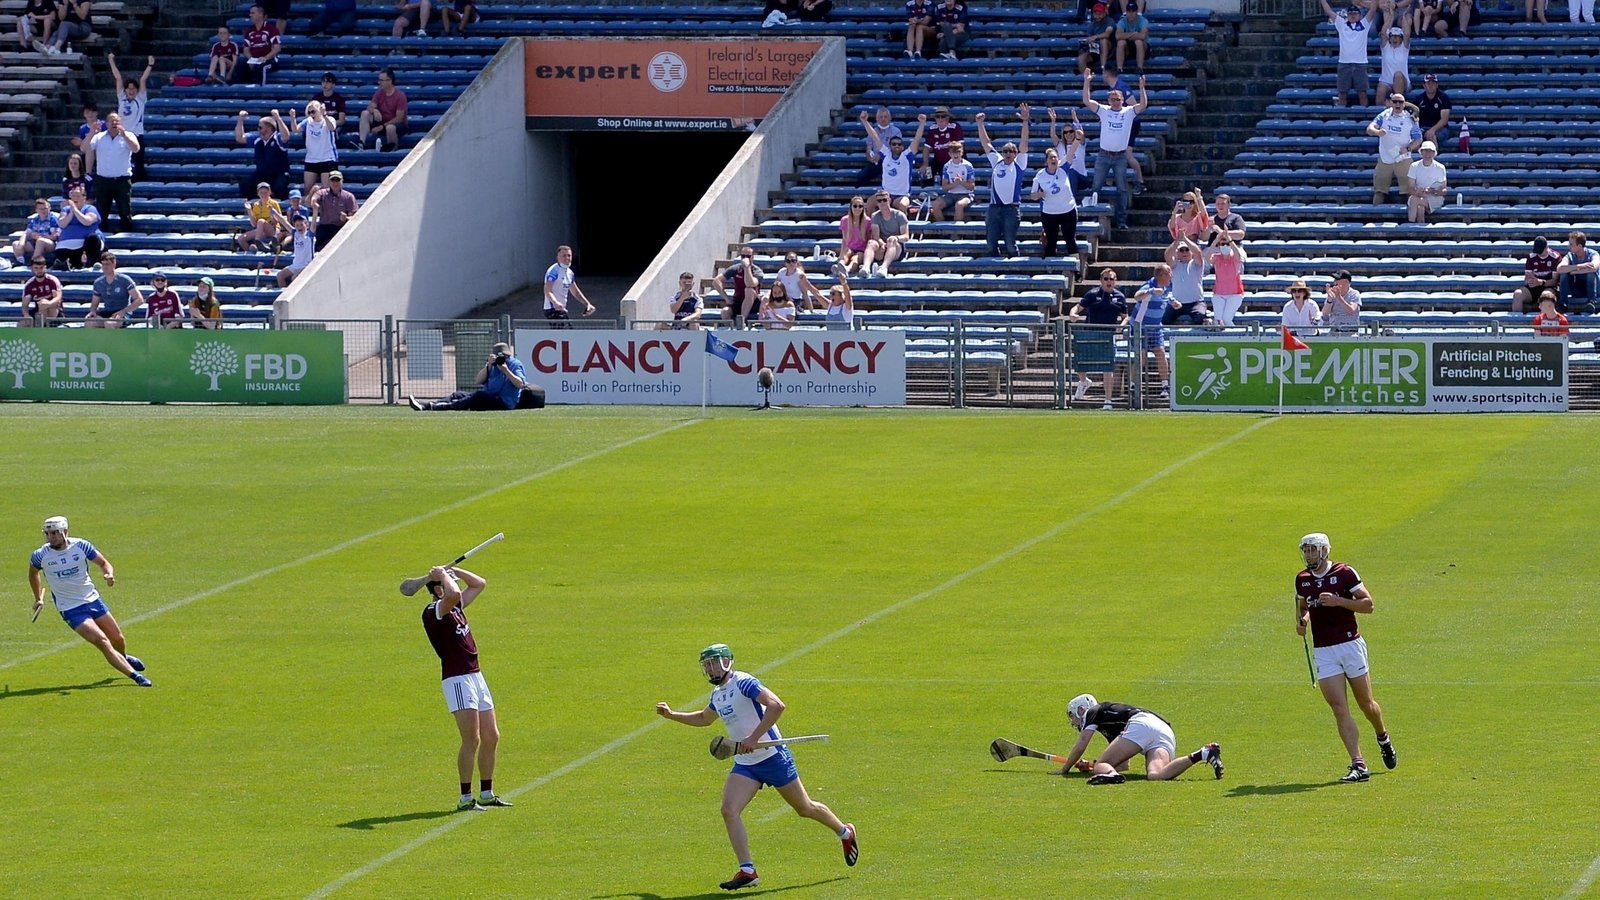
1433	109
110	160
1354	30
1003	215
1398	136
1394	58
1341	305
163	308
271	148
115	296
1428	185
63	564
333	206
1095	47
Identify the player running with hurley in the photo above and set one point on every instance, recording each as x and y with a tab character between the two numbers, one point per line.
63	562
750	712
1131	731
1327	596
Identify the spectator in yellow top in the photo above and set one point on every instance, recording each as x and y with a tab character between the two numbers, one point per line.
264	211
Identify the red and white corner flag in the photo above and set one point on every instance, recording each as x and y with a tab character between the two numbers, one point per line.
1290	342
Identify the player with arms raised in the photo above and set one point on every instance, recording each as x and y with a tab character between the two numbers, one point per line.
1327	596
63	562
1131	730
750	712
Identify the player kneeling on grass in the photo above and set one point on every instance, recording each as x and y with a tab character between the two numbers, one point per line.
64	562
465	692
750	712
1131	731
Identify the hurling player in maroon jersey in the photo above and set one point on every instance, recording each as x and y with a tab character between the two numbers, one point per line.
1327	597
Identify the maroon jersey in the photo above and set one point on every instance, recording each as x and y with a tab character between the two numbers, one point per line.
258	42
164	305
1330	624
452	639
225	49
333	104
939	138
37	289
1542	267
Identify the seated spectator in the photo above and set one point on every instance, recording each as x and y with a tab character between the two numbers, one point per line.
263	42
412	14
81	240
1133	30
278	12
205	310
745	278
92	125
1146	314
795	283
686	306
385	114
1465	13
333	206
841	312
1095	48
1428	185
1548	322
1186	302
1300	315
1394	74
41	295
1189	218
116	296
304	250
1429	19
462	13
1226	257
1433	109
1538	275
854	230
271	148
958	178
919	27
1579	285
333	102
37	23
1341	305
1398	135
163	309
777	311
76	176
501	382
899	161
74	23
890	229
954	27
1094	349
39	234
224	57
264	213
337	17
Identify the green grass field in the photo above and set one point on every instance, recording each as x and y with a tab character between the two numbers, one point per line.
914	583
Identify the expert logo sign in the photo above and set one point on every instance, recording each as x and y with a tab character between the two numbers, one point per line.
668	72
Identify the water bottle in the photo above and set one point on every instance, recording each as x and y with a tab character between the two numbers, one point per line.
816	251
1464	141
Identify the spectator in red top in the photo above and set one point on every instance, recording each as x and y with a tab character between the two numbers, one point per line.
41	294
162	306
262	44
386	113
1538	274
334	206
1549	322
224	57
941	134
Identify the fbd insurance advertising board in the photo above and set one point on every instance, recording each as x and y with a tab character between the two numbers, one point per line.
176	366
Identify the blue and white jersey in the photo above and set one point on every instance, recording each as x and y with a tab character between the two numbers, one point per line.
560	279
1150	309
66	571
958	171
44	224
1005	178
1057	190
735	701
897	173
321	141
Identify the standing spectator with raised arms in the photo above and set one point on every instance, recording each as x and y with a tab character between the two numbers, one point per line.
1003	216
899	161
872	173
1116	131
322	144
1058	211
134	97
63	564
1394	74
1355	31
270	147
1071	147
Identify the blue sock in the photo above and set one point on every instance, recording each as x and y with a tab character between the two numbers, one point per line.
747	867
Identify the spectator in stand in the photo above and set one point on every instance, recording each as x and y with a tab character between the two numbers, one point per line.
1147	314
386	114
1133	30
337	17
1394	72
1058	211
1341	305
224	57
1538	275
560	285
462	13
304	250
1466	13
1433	109
1116	132
297	207
854	232
686	307
777	311
1355	31
1226	257
39	234
1186	302
1095	48
262	44
1580	11
919	27
1429	18
74	18
115	296
264	213
1579	285
1094	349
1189	217
872	173
899	161
795	283
163	309
890	229
954	27
1227	220
75	176
205	310
81	241
131	105
322	144
412	14
941	134
110	158
271	149
334	206
37	22
278	11
1300	315
959	179
745	277
1070	146
333	102
1549	323
1112	76
1427	185
41	295
841	312
1003	216
1398	135
92	125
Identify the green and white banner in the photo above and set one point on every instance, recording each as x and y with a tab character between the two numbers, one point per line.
172	366
1370	375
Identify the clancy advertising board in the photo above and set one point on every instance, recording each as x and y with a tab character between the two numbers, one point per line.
810	368
1371	375
631	84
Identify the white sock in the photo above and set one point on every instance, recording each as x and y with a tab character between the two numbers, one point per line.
844	832
465	797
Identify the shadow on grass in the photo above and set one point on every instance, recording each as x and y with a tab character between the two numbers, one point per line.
368	824
1256	790
62	689
644	895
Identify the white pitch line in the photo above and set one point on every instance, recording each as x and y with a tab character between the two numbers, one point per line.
1584	882
441	830
346	545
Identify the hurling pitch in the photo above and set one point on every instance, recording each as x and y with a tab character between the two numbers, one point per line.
912	583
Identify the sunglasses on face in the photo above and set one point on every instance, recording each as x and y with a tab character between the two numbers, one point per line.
857	205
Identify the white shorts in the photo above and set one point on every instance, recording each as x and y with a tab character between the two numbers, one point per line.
1348	659
467	692
1149	732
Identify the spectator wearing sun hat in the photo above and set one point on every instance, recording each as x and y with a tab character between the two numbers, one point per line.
1300	315
1433	109
333	206
163	309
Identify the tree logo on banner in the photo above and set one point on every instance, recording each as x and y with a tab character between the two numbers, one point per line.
20	358
213	359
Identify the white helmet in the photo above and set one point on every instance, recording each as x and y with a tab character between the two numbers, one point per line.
1320	541
1078	708
56	523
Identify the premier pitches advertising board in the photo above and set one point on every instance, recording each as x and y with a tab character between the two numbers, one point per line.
1376	375
810	368
160	366
627	84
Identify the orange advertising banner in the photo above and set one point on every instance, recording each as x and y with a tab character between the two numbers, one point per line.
627	84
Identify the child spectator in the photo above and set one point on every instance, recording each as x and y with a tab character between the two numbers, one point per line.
1549	322
304	250
135	96
264	213
163	309
92	125
686	307
39	234
224	56
204	307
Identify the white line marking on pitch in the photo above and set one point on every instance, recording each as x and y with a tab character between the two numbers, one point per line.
338	548
1584	882
441	830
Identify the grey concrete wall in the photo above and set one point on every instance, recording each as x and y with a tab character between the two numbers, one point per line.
754	171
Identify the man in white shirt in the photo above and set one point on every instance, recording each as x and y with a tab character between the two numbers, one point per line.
1428	185
1003	216
1116	131
1398	134
1354	30
110	159
899	161
559	283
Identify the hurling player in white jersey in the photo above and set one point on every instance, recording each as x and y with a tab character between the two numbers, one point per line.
750	712
63	562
